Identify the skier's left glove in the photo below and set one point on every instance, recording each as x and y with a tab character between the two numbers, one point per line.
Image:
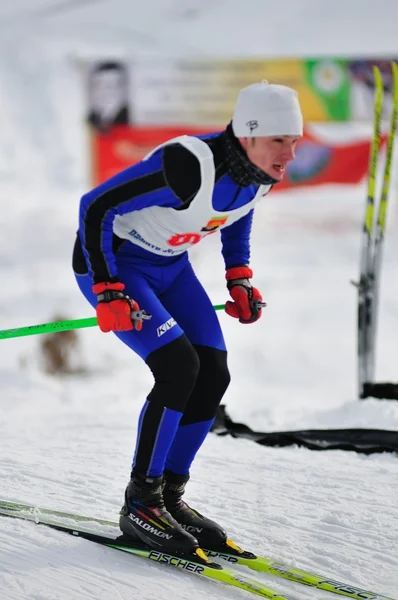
247	301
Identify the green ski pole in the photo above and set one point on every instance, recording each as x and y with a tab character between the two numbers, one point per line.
6	334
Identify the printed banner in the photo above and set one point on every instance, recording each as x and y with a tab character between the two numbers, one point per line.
316	162
204	92
160	92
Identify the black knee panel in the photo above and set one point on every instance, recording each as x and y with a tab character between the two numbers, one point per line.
211	384
175	368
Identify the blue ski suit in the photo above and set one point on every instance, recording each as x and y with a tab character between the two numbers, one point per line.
123	224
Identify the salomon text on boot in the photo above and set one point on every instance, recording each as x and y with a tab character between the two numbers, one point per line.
145	519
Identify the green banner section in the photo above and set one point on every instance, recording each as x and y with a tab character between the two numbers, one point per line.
329	80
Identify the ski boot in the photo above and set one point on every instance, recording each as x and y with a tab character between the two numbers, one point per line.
144	519
208	533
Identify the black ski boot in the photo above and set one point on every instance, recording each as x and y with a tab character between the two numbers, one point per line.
208	533
145	519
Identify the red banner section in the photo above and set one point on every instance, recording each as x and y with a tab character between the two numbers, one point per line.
316	161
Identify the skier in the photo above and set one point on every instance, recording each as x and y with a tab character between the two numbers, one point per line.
131	263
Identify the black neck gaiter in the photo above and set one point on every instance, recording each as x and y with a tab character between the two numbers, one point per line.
241	170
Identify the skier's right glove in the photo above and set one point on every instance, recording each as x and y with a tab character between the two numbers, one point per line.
115	310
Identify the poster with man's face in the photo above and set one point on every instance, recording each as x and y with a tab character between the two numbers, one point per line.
108	95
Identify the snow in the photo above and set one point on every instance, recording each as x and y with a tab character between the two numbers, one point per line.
67	442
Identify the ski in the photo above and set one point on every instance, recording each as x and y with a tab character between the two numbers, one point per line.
231	553
372	241
197	563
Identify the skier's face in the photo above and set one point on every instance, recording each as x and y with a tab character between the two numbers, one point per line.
271	154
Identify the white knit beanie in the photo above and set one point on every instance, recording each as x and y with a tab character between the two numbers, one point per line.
267	109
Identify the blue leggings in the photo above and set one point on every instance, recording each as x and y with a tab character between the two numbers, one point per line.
184	347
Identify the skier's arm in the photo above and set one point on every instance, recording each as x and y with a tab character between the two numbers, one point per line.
236	242
247	300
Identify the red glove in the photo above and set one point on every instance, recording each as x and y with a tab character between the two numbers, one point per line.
248	301
114	309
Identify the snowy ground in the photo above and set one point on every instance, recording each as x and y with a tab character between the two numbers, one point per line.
67	443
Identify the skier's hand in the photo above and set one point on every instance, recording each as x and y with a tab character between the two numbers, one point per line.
247	301
115	310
